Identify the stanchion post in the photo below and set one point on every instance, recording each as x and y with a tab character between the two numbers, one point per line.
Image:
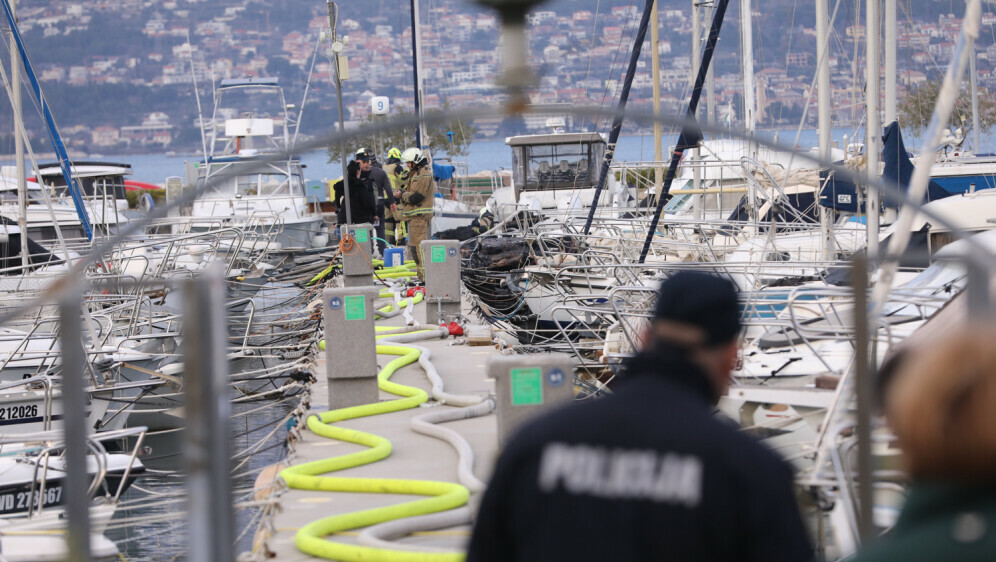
74	409
208	412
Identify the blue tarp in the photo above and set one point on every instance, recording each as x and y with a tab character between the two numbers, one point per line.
899	168
839	194
442	172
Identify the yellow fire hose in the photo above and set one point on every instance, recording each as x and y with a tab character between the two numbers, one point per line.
310	539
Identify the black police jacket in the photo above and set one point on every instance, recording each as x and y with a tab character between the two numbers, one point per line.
362	201
647	473
382	186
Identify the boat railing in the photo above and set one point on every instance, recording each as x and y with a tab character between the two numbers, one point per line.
473	191
46	357
107	202
177	246
45	382
634	307
583	322
100	328
835	306
709	177
838	479
251	303
625	240
778	193
95	446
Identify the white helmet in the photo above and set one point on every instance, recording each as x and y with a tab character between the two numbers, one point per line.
412	155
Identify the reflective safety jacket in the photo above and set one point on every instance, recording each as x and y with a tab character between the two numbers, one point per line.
394	170
419	194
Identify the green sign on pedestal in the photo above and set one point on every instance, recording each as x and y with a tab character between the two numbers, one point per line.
356	307
527	386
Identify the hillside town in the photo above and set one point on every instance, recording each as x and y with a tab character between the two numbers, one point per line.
160	49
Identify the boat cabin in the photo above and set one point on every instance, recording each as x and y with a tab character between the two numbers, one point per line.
555	161
95	178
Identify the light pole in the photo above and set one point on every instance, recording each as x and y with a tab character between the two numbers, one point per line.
341	66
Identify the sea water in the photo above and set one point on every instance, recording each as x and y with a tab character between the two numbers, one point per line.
483	155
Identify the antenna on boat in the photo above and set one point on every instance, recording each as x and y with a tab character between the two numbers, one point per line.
197	96
307	86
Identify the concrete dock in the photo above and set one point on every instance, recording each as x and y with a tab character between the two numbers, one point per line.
414	456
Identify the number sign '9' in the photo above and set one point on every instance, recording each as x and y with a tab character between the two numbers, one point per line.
380	105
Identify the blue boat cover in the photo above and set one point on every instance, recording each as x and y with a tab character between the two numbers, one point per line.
899	168
442	172
841	194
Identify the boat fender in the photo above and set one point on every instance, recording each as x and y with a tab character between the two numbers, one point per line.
454	328
146	202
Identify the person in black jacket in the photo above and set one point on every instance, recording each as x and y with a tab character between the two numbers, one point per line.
648	473
383	192
362	204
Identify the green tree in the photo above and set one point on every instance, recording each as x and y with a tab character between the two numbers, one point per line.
403	137
917	107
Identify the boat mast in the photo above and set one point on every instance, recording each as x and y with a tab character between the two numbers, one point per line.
416	73
655	66
890	60
747	58
57	145
873	136
824	123
823	99
974	81
690	134
617	121
197	97
22	180
710	85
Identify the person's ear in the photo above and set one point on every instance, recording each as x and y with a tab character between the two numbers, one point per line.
732	355
643	337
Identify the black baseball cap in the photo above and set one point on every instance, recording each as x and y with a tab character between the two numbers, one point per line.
697	309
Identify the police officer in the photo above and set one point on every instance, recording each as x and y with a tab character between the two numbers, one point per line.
362	202
648	473
417	195
382	191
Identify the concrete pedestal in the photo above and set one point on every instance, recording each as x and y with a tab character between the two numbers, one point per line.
441	260
350	345
357	271
528	385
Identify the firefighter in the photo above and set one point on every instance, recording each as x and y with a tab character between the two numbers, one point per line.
418	196
392	218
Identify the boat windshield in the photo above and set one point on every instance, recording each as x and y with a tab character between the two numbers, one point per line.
270	185
558	166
